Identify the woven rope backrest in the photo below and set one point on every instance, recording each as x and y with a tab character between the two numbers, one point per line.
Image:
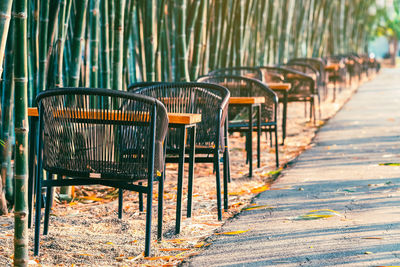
194	98
300	82
241	86
97	133
248	72
316	63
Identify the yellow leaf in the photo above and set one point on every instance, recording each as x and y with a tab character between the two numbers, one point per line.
174	249
109	243
233	233
260	189
258	207
318	214
158	173
165	258
93	198
368	252
202	244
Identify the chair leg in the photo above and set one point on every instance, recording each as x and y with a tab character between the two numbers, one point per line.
148	219
191	171
226	178
120	202
140	199
37	214
227	151
160	207
218	185
276	147
49	202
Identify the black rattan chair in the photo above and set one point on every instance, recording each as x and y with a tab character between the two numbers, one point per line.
242	86
303	88
248	72
211	101
319	65
305	91
100	136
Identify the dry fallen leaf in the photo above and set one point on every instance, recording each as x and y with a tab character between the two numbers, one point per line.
233	233
258	207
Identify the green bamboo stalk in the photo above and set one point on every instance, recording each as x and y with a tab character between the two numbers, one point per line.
180	19
105	52
5	15
62	33
43	28
111	16
77	43
191	18
94	43
200	26
7	121
150	38
21	256
118	45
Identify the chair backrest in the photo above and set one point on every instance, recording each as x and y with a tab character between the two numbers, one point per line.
101	133
211	101
248	72
306	69
316	63
301	83
242	86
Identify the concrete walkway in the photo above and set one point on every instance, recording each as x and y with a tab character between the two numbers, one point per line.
341	172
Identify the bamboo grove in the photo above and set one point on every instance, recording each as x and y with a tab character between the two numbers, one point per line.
112	43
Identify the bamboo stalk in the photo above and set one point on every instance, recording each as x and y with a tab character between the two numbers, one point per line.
77	43
105	52
118	45
94	43
21	256
5	15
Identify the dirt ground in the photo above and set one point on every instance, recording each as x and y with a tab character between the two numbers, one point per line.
87	231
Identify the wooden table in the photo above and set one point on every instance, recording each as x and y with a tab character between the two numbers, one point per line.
251	102
184	122
332	67
283	88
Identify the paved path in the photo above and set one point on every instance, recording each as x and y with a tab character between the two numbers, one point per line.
340	172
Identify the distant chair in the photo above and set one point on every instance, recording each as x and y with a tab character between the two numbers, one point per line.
304	79
100	136
242	86
209	100
318	64
248	72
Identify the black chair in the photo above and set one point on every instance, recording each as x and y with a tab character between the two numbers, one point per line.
211	101
319	65
304	92
248	72
242	86
303	88
100	136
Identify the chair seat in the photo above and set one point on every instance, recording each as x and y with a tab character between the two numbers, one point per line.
103	169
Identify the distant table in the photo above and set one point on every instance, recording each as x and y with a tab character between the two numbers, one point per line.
251	102
181	121
332	67
283	88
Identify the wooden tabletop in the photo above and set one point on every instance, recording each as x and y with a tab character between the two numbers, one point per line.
332	67
246	100
174	118
279	86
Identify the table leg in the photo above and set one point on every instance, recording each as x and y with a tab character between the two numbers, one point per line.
284	117
191	170
250	141
31	167
180	180
259	136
